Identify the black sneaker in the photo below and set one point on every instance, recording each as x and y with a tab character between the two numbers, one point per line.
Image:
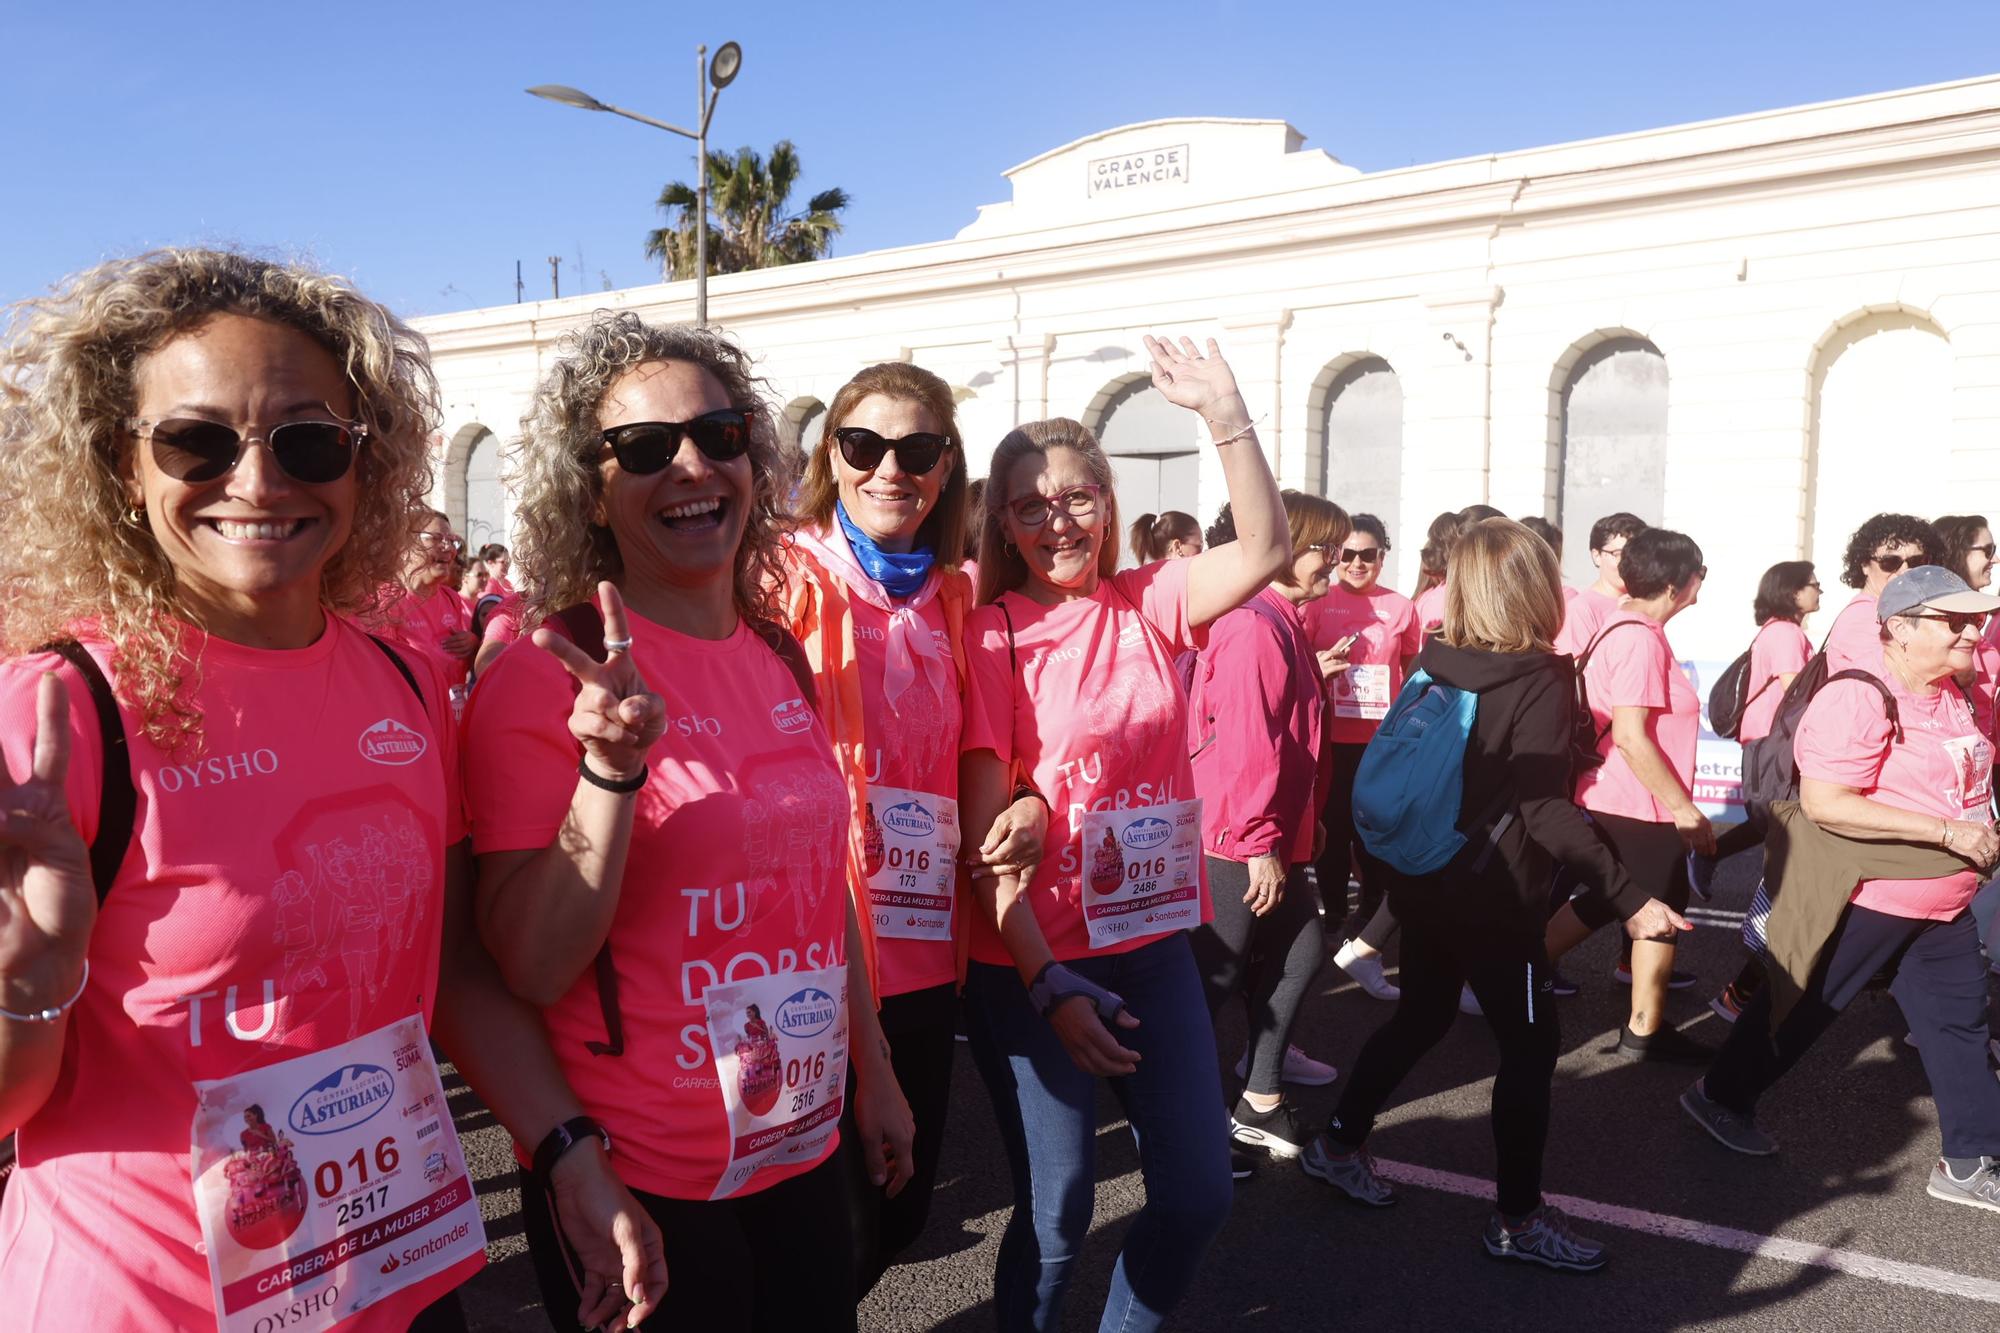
1276	1131
1242	1165
1561	985
1666	1046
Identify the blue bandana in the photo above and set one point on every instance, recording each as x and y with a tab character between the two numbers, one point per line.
899	575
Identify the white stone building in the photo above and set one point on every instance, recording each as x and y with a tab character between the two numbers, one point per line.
1757	330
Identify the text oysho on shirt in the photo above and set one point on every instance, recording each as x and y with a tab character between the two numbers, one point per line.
1941	767
283	895
737	869
1635	668
912	746
1387	632
1097	716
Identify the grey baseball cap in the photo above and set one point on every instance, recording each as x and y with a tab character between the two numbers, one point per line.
1933	586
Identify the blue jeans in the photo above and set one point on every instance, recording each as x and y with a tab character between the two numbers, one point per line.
1047	1111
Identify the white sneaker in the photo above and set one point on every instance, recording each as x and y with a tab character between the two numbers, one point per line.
1366	971
1300	1068
1468	1003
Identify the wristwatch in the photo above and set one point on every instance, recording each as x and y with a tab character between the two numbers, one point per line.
561	1139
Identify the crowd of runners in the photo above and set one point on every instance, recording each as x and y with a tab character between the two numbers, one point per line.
696	828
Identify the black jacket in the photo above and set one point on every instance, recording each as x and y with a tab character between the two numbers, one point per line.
1516	810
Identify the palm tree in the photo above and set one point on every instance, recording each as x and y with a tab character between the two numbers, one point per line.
747	223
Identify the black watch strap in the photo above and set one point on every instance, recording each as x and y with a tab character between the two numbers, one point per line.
561	1139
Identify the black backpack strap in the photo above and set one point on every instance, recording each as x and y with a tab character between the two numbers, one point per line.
1889	709
118	799
402	669
793	654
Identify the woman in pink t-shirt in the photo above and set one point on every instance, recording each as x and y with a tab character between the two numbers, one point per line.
1083	971
1640	797
873	591
1366	636
662	836
232	902
1924	777
424	609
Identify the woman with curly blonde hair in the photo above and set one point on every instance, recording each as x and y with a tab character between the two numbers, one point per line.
212	897
662	834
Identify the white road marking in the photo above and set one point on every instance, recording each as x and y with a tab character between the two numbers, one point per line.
1804	1253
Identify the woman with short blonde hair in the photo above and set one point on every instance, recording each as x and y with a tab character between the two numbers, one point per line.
1478	921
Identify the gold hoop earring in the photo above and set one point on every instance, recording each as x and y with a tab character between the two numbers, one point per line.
135	516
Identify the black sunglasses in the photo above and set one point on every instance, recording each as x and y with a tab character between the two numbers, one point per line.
191	449
645	447
916	454
1368	556
1889	564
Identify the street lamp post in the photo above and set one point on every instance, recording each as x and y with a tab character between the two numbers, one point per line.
711	78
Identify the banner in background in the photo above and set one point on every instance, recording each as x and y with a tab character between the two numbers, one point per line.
1718	763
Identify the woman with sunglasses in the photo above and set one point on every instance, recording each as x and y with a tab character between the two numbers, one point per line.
425	610
1880	549
213	897
1640	796
662	837
1925	778
1255	716
1082	970
1366	636
873	592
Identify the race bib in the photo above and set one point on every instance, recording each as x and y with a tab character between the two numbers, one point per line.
1972	774
780	1046
1141	871
330	1181
1362	691
910	848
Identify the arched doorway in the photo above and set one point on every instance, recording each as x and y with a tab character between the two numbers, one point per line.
475	500
1154	450
1612	450
1881	429
1357	461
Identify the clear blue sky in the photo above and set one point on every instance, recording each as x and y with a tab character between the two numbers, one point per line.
393	143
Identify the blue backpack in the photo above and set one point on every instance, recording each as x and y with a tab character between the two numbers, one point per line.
1407	787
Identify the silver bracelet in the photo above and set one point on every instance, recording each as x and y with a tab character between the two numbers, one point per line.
51	1015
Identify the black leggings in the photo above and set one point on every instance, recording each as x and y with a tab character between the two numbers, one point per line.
921	1028
1344	849
781	1259
1514	986
1271	959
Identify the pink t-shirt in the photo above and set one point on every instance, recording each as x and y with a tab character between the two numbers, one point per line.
283	894
912	744
1386	621
1097	716
1430	610
1986	678
1855	641
1943	767
503	622
1584	615
1780	649
737	868
1636	668
423	621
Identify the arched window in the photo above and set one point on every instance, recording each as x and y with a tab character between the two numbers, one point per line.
1154	449
474	499
1881	430
1358	461
1612	454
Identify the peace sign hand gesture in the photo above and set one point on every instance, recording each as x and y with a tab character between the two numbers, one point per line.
1201	383
47	901
616	719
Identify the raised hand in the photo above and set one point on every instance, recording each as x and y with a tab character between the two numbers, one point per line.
1201	383
47	901
616	718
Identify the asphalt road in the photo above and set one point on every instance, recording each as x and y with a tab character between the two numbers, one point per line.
1855	1119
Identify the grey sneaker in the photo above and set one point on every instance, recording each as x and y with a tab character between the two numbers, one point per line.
1544	1237
1729	1129
1981	1191
1353	1174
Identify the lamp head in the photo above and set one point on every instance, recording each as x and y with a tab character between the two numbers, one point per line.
723	69
576	97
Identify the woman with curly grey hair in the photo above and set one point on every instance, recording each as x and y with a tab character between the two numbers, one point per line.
662	832
213	900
